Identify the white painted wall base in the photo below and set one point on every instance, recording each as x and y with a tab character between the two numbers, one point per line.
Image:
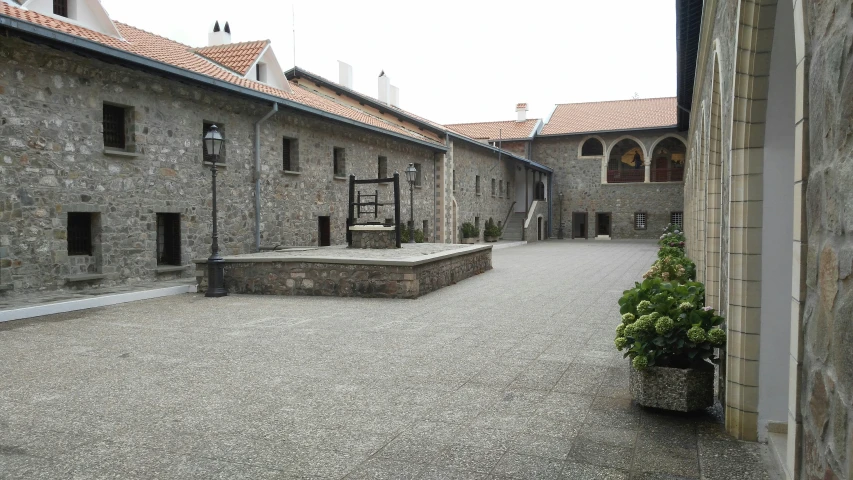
99	301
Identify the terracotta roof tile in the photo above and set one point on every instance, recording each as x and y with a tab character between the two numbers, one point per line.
572	118
155	47
235	56
495	130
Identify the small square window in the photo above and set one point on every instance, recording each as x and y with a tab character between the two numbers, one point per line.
206	128
168	239
383	167
677	219
418	176
115	127
477	184
290	154
60	7
640	221
79	233
339	162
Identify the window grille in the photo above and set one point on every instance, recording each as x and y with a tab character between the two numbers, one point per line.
677	219
286	158
383	167
79	233
339	162
60	7
592	148
168	239
418	179
640	221
114	127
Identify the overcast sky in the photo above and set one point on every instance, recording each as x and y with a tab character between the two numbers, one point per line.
454	61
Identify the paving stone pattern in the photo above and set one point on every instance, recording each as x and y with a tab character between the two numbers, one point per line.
510	374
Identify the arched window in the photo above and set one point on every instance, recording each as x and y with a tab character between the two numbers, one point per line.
668	160
592	147
539	192
626	163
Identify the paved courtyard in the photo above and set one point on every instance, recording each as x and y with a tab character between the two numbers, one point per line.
510	374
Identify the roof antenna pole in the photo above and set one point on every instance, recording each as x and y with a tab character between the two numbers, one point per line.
293	12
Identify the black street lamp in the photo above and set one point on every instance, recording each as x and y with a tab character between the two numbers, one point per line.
215	264
411	176
560	234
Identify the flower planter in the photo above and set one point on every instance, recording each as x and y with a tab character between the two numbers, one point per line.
469	240
678	389
491	239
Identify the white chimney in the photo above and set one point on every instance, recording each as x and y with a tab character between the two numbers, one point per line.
218	36
384	87
345	74
521	110
395	96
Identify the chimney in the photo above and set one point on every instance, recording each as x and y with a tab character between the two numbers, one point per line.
345	74
217	36
384	87
395	96
521	110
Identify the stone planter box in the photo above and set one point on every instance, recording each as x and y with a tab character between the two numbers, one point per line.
469	240
491	239
678	389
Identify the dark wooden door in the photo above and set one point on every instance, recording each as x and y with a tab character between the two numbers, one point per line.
603	224
324	236
579	225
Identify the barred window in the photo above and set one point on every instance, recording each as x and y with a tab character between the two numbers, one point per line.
168	239
79	233
383	167
677	219
114	127
339	162
290	154
640	221
60	7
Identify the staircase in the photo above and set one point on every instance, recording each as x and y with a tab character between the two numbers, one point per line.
513	228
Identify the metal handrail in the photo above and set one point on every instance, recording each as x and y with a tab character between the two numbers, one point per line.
508	215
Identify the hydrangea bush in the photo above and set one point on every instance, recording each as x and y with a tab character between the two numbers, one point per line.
675	268
672	237
666	324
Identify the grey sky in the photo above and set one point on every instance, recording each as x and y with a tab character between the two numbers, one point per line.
454	61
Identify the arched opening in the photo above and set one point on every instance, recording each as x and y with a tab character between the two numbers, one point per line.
592	147
626	163
668	160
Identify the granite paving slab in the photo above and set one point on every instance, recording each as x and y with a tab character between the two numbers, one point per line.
508	375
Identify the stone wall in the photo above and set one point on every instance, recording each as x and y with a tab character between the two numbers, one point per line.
313	278
470	161
579	179
52	162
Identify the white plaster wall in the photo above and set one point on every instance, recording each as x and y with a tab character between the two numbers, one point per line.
778	228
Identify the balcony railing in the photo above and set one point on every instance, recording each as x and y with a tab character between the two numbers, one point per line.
667	174
626	176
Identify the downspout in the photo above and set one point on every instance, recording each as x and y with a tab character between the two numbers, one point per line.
258	175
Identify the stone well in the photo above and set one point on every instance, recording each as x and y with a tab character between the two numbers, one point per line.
373	236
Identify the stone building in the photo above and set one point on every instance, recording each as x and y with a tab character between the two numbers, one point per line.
618	166
767	88
104	180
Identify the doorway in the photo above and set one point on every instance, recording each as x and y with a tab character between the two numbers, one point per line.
579	225
324	231
603	224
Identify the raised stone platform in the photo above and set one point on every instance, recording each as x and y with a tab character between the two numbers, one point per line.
407	272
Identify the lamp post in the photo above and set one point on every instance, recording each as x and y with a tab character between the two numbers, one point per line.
411	176
560	234
215	264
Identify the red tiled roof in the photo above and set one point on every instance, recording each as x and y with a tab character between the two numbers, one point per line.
236	56
616	115
155	47
495	130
